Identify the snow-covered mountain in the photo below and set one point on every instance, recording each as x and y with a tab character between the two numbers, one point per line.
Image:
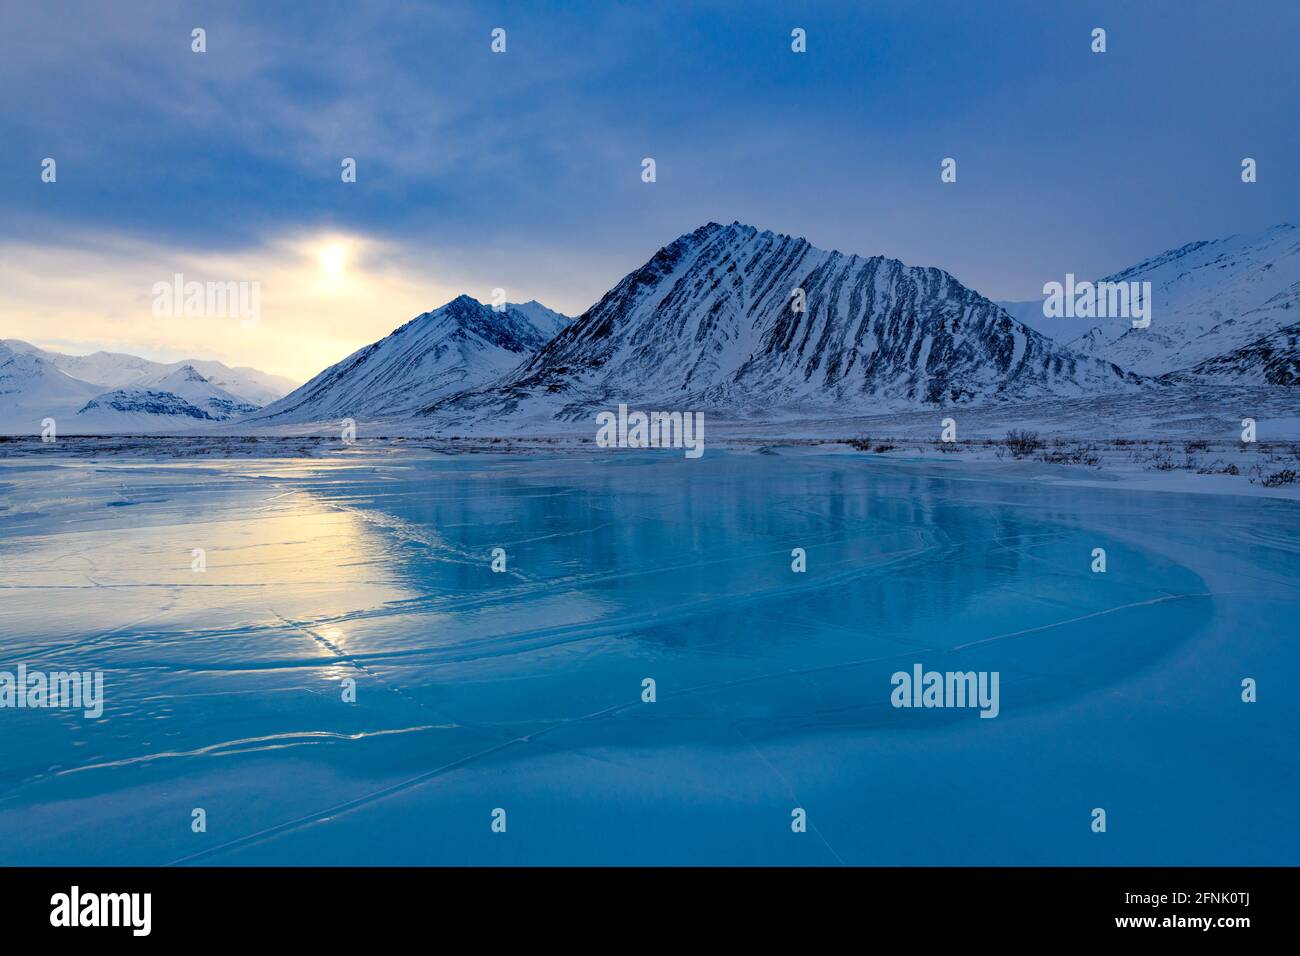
249	385
709	322
457	346
182	393
1209	299
200	391
112	370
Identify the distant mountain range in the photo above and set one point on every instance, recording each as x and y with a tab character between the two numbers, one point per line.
115	392
732	320
116	369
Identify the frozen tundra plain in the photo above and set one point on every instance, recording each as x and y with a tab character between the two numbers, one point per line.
522	689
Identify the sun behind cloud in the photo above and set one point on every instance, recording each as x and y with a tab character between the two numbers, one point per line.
333	260
322	296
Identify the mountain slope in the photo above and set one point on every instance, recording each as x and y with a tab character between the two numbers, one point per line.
1273	359
32	389
1092	342
708	322
1031	314
1208	298
547	321
457	346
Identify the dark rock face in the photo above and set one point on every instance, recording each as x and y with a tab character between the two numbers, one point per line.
146	402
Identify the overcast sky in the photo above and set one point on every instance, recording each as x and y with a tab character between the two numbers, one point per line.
522	170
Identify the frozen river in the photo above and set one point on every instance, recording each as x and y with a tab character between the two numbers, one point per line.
233	606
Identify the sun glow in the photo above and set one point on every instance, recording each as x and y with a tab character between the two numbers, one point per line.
324	294
333	260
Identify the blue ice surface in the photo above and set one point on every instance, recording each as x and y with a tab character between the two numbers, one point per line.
521	689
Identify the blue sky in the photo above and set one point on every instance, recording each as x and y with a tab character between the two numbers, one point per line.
522	170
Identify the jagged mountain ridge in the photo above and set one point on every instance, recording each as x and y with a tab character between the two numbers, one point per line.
708	321
456	346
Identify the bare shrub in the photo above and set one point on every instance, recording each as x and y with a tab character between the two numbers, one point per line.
1275	479
1022	442
1078	455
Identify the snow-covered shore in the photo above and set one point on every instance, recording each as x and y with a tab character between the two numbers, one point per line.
1234	468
